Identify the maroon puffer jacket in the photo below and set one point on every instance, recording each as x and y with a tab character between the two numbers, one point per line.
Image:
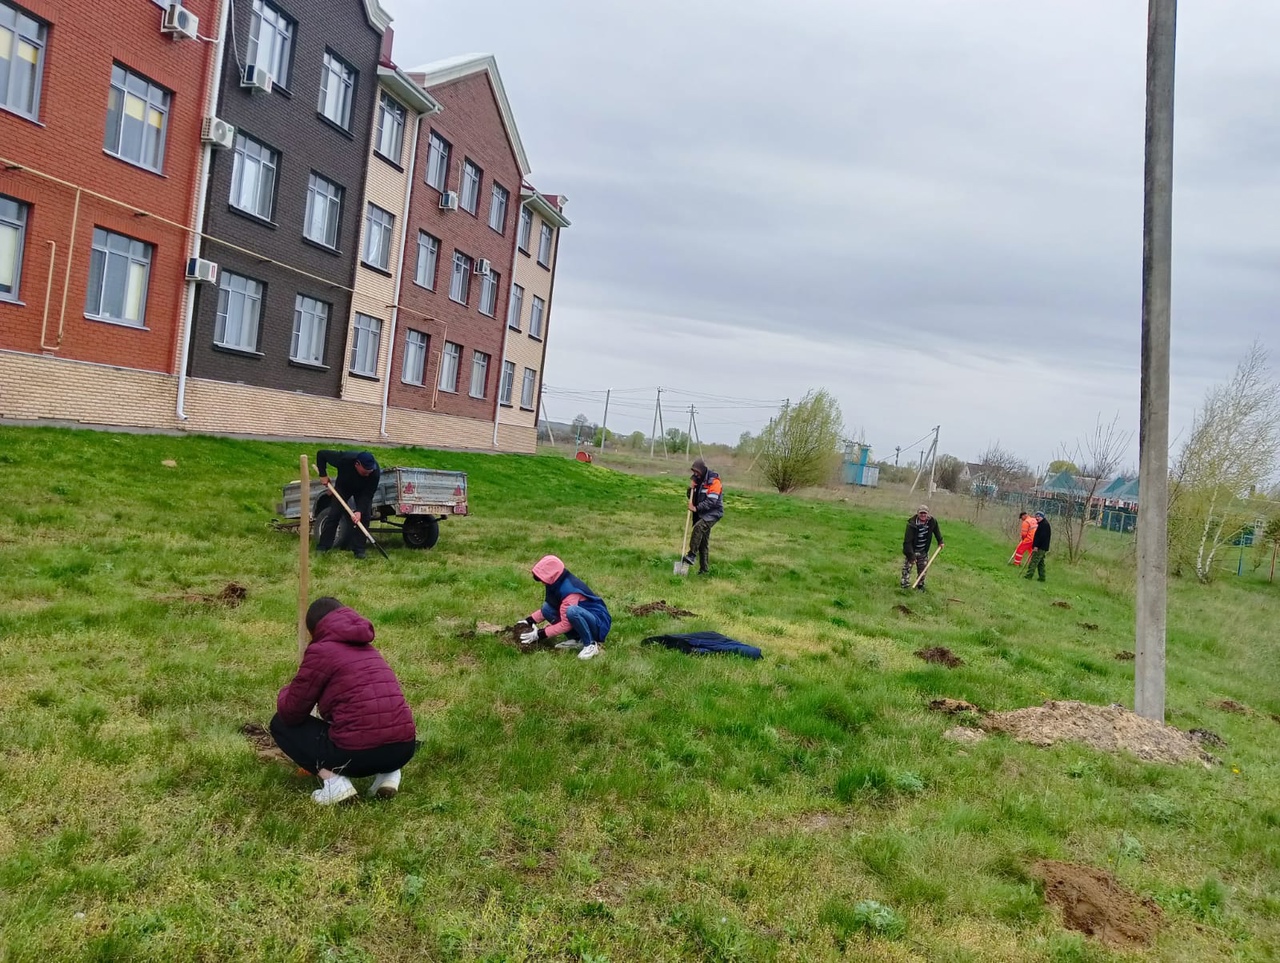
351	682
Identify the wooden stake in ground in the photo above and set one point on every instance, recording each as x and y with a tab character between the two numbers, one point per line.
920	577
304	556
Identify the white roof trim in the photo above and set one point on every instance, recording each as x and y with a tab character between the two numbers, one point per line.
403	88
455	68
544	207
379	17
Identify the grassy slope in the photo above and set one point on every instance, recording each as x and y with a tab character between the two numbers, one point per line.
643	806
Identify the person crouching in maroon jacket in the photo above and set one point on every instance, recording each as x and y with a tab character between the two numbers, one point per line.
365	726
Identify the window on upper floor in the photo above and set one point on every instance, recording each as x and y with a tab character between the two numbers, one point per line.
460	283
271	41
544	245
438	162
391	117
337	88
239	310
536	316
366	340
526	228
414	368
515	306
526	389
310	325
471	178
449	361
479	374
489	293
324	210
137	119
253	177
379	226
13	234
498	208
428	258
119	271
22	40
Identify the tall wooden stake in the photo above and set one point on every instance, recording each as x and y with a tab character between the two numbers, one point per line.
304	557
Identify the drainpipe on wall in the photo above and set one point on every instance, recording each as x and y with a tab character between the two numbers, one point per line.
202	193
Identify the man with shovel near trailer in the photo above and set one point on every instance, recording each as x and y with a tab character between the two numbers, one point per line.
922	529
356	484
706	503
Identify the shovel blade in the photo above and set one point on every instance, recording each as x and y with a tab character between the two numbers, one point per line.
680	568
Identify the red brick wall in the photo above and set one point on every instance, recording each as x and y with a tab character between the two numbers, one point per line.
472	123
67	143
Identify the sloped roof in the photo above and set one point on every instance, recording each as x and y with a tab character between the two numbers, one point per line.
548	205
455	68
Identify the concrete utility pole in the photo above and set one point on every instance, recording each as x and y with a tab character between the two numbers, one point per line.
1153	432
604	424
653	435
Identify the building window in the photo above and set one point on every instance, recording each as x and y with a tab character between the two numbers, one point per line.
239	308
498	208
428	258
515	306
324	208
364	347
119	268
536	315
415	358
460	283
489	293
471	177
137	115
544	245
271	41
310	324
479	373
526	389
337	84
438	162
22	39
449	366
13	232
253	177
390	142
379	226
508	382
526	228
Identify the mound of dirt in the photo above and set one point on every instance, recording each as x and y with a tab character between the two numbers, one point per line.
1125	656
662	608
940	655
903	610
1089	626
1206	737
264	747
952	707
231	595
1093	903
1061	604
1230	705
1109	728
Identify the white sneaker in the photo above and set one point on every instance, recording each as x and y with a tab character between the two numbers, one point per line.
569	644
385	784
590	651
335	790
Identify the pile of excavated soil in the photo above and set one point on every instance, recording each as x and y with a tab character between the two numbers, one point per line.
1230	705
1093	903
231	595
662	608
264	747
1089	626
1061	604
1124	656
953	707
1109	728
940	655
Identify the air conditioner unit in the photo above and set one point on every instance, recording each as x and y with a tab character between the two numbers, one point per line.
255	78
449	200
179	21
198	269
217	132
483	267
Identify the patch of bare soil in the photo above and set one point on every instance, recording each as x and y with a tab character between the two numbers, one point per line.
1206	737
903	610
1093	903
264	747
1230	705
1089	626
953	707
940	655
823	822
662	608
1061	604
1109	728
1125	656
964	734
231	595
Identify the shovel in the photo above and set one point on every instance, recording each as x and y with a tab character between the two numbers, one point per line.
347	508
920	577
681	567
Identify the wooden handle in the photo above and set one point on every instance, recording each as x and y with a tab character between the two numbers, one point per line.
920	577
352	515
304	557
688	520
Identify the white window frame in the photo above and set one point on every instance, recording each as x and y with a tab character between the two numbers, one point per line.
438	153
391	121
479	369
337	90
27	36
136	103
537	318
469	194
528	389
507	384
499	198
424	273
254	168
322	190
275	54
545	235
239	312
515	306
111	252
379	228
366	345
310	329
524	235
450	359
460	278
13	238
489	285
416	345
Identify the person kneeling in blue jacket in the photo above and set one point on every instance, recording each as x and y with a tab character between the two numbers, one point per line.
571	609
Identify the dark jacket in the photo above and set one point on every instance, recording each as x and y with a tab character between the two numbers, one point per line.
569	584
349	482
916	540
707	496
351	683
1043	533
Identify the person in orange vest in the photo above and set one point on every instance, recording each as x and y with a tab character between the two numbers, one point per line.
1025	537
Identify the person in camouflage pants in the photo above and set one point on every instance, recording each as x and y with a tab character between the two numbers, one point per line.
922	528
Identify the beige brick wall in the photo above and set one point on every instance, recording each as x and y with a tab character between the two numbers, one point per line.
33	386
522	349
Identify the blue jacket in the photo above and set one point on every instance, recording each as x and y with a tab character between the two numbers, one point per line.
570	584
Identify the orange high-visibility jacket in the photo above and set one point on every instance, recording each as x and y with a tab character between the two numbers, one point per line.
1029	528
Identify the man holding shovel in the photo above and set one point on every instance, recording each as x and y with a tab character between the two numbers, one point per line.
356	484
706	503
922	529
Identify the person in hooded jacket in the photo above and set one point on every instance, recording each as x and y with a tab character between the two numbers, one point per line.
706	501
922	528
365	726
571	609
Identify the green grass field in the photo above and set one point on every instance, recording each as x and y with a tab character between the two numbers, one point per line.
643	806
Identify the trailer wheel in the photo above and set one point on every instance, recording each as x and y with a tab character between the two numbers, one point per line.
421	531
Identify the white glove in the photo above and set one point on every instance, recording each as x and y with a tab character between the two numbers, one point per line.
529	637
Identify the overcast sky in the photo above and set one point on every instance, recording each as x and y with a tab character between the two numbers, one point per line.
932	208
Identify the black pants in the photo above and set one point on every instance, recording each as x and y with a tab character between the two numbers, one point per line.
700	541
336	528
311	748
1036	565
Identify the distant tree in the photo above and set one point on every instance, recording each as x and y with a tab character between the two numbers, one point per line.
637	440
1059	465
1100	453
747	445
998	470
601	436
801	446
677	440
948	471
